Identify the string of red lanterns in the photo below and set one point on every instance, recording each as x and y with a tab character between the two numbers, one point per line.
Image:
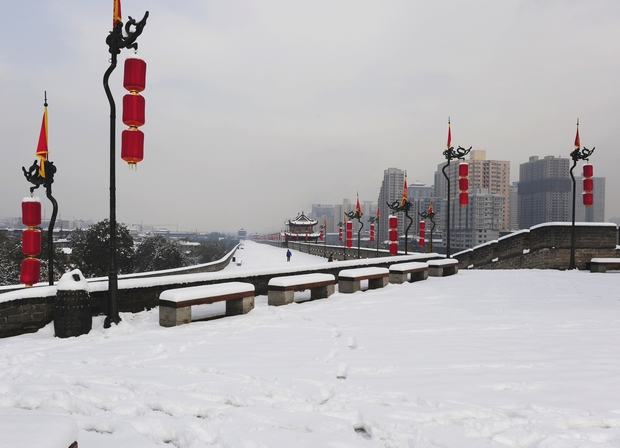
393	234
463	184
372	233
31	241
132	139
588	184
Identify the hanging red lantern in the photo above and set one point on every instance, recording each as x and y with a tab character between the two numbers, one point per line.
422	233
132	146
463	169
135	75
30	271
133	110
393	234
463	198
31	242
349	234
372	233
306	236
321	234
588	184
340	233
463	184
31	212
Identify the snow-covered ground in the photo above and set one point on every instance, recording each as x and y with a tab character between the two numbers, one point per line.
525	358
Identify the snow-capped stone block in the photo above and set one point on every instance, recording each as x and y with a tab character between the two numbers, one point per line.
443	268
349	280
175	304
281	290
415	270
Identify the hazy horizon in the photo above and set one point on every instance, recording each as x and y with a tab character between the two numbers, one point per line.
255	111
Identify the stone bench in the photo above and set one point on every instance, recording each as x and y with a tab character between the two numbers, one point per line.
281	290
443	268
175	304
417	271
602	264
349	280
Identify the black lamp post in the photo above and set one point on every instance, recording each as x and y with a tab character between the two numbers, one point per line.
577	154
116	40
357	215
403	206
375	220
324	229
450	154
34	177
429	215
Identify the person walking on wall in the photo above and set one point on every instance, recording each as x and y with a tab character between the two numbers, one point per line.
288	255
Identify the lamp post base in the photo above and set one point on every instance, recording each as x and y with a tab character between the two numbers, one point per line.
107	323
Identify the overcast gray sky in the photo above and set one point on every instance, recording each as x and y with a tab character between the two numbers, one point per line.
257	109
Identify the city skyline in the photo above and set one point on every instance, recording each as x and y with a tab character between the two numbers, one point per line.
256	111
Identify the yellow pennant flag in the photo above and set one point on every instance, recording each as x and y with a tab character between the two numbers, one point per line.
116	14
42	149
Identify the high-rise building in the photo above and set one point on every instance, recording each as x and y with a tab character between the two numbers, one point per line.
544	191
480	221
492	175
390	192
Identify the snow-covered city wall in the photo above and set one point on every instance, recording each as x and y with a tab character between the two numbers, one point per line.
544	246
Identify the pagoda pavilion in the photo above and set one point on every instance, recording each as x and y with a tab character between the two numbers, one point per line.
301	228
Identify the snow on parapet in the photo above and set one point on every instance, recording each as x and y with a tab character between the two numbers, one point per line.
569	224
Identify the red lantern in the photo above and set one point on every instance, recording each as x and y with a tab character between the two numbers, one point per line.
132	145
133	110
588	170
463	198
31	212
321	234
588	184
31	242
372	233
135	75
588	199
340	233
463	169
30	271
463	184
